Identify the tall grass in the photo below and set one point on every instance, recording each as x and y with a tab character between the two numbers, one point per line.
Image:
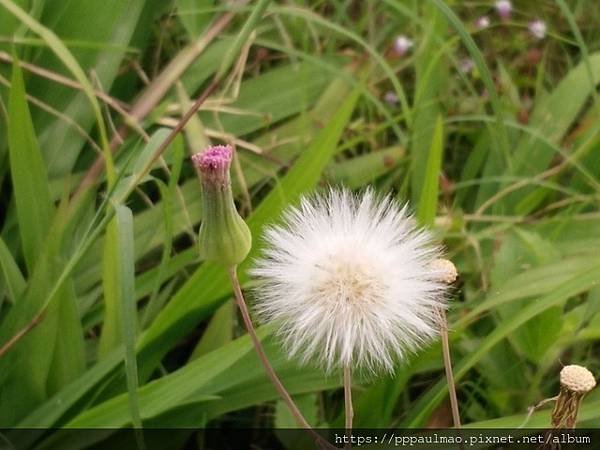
108	318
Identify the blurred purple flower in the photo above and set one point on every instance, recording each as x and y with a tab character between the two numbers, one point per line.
390	98
482	22
402	45
503	8
466	65
537	28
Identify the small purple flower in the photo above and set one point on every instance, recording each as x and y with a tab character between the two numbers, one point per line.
224	237
402	45
482	22
391	98
503	8
537	28
466	65
213	164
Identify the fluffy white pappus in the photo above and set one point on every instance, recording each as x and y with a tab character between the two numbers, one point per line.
350	282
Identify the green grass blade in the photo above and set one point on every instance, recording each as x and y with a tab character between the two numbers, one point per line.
431	73
63	53
126	270
429	195
28	172
12	274
241	38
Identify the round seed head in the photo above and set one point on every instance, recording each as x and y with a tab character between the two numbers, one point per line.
445	270
577	379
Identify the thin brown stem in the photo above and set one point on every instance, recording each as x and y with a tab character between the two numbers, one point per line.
21	334
348	402
262	356
448	368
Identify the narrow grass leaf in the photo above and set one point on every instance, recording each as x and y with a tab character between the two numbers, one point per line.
28	172
11	273
126	270
429	195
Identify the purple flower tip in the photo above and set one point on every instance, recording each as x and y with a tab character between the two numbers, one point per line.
214	158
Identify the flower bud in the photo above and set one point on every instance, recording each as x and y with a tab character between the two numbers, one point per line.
224	236
445	270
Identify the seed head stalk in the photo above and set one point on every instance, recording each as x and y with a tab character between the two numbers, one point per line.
349	410
270	371
448	274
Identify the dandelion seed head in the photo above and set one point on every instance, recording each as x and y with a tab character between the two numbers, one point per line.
349	281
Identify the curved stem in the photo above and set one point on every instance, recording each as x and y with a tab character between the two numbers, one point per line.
262	356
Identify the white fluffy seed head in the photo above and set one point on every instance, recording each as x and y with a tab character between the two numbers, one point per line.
350	282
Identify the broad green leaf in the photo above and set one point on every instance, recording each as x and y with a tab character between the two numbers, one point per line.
361	170
219	331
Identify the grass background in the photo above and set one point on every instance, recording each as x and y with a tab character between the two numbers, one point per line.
502	159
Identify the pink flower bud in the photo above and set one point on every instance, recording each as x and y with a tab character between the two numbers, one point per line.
213	164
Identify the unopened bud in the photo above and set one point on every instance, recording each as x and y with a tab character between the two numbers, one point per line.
224	236
445	270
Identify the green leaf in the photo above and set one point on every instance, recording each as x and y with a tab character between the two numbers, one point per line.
582	282
11	273
431	72
126	270
28	172
218	332
429	195
63	53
